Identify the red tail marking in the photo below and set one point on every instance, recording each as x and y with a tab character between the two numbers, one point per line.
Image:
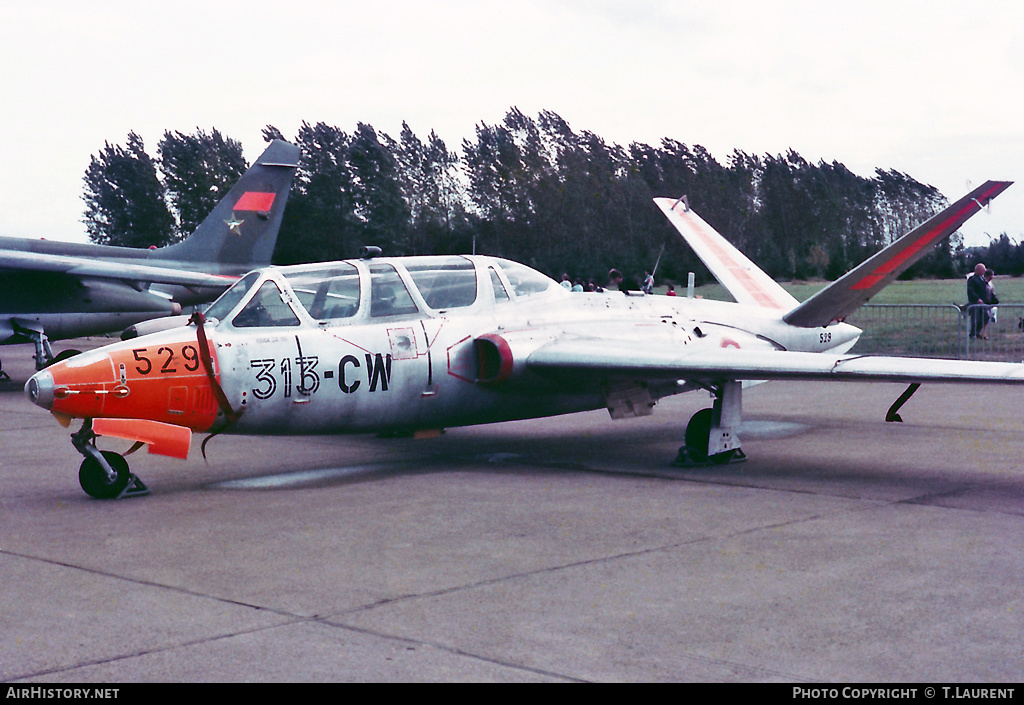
255	201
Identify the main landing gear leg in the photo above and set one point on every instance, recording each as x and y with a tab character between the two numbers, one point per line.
104	474
44	356
44	353
712	434
35	333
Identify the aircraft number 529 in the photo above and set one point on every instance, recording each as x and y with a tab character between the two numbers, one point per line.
165	357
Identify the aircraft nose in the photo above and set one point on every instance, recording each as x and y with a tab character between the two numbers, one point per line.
39	389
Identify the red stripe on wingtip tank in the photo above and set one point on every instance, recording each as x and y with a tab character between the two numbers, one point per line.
255	201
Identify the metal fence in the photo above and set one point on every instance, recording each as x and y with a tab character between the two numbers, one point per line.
925	330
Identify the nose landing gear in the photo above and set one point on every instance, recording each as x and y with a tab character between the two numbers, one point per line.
104	474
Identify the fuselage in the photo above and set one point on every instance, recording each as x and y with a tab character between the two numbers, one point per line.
403	343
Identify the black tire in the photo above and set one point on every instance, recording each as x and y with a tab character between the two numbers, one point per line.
63	355
94	480
698	433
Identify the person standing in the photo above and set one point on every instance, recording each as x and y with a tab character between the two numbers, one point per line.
991	300
977	295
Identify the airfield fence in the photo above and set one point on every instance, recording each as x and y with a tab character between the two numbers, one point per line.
940	331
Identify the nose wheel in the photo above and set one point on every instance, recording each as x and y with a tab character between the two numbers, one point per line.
97	483
104	474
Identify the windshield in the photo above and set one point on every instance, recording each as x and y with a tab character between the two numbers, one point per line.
220	308
266	309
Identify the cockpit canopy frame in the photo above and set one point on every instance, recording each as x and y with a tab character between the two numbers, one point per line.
379	289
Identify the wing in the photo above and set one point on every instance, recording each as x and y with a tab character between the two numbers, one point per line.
85	267
608	358
742	278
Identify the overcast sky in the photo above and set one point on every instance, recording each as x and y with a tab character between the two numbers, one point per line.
934	89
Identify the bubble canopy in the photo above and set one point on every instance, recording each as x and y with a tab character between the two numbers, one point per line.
380	288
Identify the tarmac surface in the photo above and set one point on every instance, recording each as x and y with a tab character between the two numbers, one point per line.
844	549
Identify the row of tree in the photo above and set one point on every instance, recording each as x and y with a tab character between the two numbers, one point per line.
128	203
530	189
1003	255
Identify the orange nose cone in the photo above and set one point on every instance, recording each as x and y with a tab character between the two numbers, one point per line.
163	381
78	386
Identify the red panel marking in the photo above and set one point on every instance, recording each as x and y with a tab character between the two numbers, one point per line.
395	336
730	343
463	364
902	256
255	201
360	347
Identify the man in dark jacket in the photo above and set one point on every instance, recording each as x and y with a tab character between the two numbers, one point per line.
977	296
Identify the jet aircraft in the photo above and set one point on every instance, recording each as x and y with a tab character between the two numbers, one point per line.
422	343
56	290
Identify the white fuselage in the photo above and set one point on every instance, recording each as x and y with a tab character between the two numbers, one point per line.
423	370
416	343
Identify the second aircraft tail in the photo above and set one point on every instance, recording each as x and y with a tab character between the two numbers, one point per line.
242	228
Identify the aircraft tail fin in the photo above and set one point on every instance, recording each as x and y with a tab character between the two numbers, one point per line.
848	293
742	278
242	228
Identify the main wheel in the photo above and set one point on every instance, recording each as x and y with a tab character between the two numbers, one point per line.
698	433
62	356
94	479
